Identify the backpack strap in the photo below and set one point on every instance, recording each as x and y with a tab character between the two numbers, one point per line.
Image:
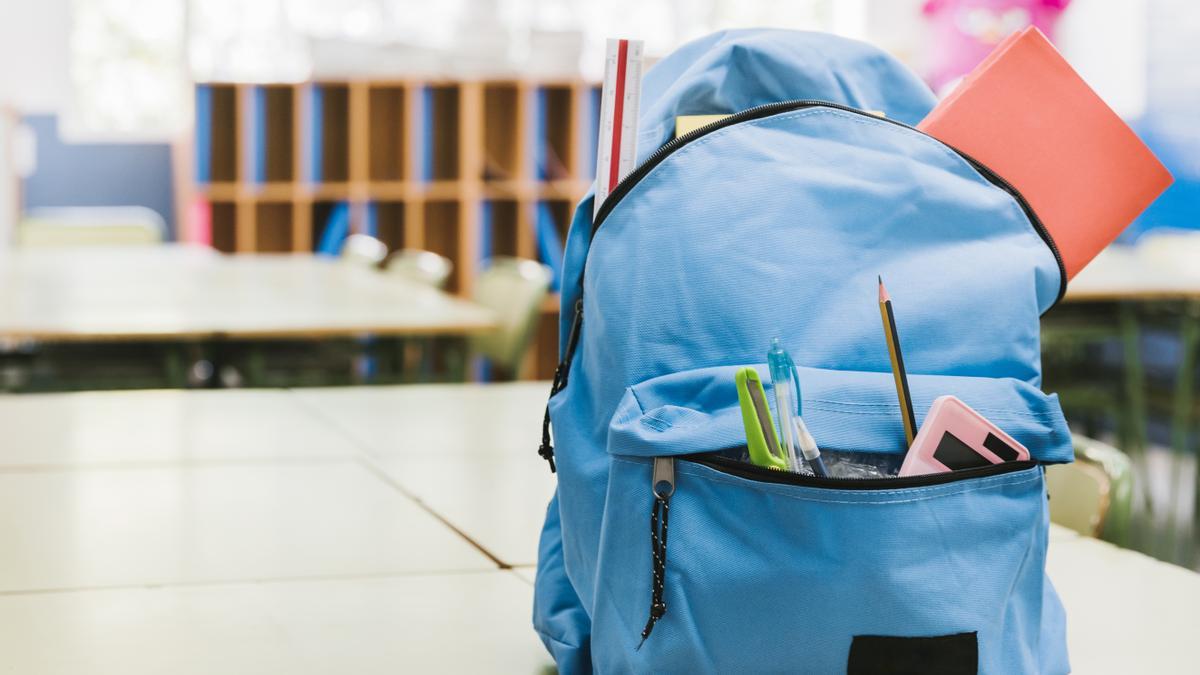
546	449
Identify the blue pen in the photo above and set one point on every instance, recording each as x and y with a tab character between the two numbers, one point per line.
785	379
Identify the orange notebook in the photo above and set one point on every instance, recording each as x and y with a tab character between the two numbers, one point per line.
1027	115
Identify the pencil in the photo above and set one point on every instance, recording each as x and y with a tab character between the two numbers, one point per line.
898	372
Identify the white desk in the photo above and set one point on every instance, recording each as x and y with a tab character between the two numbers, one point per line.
175	291
302	532
1163	268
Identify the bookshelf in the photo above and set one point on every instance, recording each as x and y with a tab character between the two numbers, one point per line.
468	169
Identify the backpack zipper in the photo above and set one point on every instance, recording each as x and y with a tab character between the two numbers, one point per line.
754	472
758	112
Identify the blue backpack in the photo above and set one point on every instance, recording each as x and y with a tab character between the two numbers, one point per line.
661	551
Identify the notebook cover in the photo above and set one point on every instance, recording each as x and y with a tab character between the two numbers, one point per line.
1027	115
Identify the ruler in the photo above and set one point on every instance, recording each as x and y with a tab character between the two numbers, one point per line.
616	151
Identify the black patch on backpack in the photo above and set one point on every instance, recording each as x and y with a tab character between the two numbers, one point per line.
890	655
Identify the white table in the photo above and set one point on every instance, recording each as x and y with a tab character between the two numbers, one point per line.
1162	267
353	530
189	292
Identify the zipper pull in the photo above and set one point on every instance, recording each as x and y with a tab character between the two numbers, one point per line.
663	481
663	485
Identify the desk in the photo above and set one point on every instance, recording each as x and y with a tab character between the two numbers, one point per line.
182	292
1122	273
353	530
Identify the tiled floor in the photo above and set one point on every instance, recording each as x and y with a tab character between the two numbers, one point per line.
269	532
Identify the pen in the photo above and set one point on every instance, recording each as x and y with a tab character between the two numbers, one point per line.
786	380
782	370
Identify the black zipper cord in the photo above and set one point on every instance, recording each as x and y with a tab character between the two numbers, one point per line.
659	512
546	449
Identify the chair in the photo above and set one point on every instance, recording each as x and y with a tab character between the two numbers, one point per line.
363	250
513	288
1092	496
90	226
424	267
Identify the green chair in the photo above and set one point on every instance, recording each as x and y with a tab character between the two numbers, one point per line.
513	289
423	267
1094	495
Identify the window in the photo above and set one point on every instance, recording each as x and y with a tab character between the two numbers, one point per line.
127	70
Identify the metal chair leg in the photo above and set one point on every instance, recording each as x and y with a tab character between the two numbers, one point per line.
1132	420
1189	338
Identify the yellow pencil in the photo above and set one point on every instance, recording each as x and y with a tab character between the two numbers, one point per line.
893	343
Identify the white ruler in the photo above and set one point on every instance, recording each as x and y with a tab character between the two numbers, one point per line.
616	152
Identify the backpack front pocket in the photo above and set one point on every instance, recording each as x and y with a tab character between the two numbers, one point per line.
750	570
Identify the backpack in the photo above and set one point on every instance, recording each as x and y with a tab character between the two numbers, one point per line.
661	552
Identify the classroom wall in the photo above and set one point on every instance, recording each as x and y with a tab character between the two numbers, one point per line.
98	174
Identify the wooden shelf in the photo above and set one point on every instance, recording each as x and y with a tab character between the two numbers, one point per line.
271	191
219	191
468	169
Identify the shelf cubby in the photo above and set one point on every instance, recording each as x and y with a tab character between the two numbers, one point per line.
390	224
499	229
273	232
319	214
329	120
223	224
554	119
502	131
592	95
274	133
441	104
441	235
387	149
217	116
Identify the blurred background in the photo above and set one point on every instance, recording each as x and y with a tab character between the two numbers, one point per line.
416	164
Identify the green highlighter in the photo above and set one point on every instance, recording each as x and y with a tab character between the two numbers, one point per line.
760	427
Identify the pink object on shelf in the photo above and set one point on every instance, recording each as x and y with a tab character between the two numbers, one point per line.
198	229
965	31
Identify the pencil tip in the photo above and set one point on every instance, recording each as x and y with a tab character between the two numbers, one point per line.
883	294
